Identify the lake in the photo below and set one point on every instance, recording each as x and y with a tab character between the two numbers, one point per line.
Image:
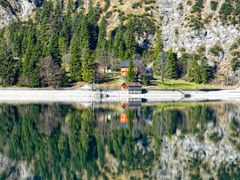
198	140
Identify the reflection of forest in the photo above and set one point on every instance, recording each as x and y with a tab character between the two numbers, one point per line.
62	141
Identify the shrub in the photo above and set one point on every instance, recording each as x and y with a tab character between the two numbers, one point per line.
215	50
214	5
235	63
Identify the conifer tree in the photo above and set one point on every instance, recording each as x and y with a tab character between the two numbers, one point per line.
54	50
102	34
8	68
130	40
196	70
159	57
87	66
131	73
75	58
172	67
30	75
119	44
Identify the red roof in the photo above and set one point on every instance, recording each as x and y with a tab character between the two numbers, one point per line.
136	84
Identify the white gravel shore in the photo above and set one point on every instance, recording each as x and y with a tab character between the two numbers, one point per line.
79	95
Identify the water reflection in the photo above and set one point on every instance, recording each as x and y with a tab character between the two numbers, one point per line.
171	141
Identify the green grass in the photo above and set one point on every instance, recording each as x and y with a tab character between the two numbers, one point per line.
177	84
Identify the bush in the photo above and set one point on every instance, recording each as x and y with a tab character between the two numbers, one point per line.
136	5
214	5
216	50
235	63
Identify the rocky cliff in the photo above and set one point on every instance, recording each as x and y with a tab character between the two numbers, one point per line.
14	10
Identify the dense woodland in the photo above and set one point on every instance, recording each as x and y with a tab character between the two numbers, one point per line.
60	45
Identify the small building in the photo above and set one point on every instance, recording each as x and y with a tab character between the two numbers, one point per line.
149	72
124	68
133	88
139	68
100	67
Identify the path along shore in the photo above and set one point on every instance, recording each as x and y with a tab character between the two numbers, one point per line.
78	95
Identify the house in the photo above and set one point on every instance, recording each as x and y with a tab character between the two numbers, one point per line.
139	68
102	68
133	88
124	68
149	72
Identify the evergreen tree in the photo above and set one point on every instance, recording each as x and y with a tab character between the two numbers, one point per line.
92	19
130	40
204	72
119	44
102	34
87	66
172	66
131	73
196	70
75	58
54	50
65	35
8	66
31	56
70	7
159	58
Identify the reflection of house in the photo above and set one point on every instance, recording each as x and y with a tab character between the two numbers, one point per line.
124	120
139	68
133	88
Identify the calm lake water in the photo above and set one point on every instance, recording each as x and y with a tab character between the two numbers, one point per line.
120	141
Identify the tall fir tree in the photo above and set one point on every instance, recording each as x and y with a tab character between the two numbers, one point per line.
87	66
8	66
131	73
53	49
31	56
196	70
102	34
119	43
130	40
172	66
75	57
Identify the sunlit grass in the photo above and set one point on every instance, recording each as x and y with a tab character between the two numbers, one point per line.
177	84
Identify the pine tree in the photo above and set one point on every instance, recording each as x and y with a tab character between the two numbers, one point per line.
75	58
87	66
172	67
130	40
204	72
53	49
158	51
102	34
196	70
8	66
31	56
119	44
131	73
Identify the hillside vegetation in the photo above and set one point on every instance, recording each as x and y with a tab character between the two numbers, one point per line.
60	42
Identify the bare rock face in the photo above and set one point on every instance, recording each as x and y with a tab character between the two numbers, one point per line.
177	33
13	10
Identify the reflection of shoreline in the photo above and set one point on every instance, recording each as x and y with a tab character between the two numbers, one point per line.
111	96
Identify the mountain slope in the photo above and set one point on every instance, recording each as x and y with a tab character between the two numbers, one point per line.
208	28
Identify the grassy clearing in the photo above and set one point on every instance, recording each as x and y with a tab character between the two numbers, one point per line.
177	84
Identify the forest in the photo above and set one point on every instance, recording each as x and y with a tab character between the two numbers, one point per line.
60	45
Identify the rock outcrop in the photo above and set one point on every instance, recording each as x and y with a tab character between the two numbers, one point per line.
13	10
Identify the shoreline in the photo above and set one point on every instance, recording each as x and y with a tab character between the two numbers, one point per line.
66	95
